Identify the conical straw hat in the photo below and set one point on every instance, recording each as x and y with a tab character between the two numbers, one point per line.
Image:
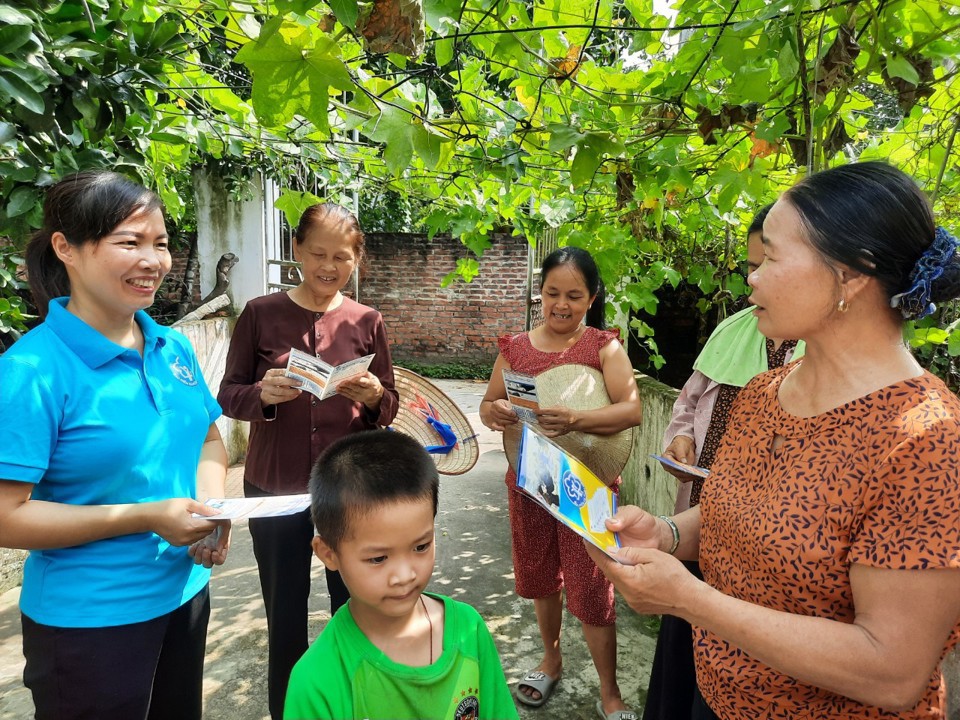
419	397
578	387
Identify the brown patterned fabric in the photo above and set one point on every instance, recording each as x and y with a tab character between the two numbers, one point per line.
776	357
793	502
726	394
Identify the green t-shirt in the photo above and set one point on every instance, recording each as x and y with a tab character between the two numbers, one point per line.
344	676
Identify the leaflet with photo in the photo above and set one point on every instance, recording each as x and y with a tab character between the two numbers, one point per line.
694	470
321	378
567	489
257	507
522	394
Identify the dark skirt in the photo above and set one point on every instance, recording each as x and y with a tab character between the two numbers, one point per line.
673	678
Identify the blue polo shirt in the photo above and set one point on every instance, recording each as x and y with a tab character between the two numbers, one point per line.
91	423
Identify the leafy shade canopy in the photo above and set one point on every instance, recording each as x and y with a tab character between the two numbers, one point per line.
646	134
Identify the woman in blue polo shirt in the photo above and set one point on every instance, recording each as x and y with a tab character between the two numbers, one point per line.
108	439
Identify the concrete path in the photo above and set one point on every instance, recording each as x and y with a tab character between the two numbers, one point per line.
473	565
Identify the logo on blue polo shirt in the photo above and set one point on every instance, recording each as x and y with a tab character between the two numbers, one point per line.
182	372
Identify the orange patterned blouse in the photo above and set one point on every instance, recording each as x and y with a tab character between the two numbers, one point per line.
874	481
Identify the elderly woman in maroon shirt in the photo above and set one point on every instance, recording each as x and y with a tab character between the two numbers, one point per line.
289	428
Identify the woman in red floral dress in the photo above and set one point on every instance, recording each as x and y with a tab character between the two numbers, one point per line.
549	558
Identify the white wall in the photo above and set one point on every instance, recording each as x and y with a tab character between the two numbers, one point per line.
227	225
211	339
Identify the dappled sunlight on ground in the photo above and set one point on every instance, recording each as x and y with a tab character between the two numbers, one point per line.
473	565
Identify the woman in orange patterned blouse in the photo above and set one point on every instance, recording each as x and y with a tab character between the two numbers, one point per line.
829	529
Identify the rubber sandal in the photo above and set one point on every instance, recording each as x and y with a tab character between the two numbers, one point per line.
616	714
541	683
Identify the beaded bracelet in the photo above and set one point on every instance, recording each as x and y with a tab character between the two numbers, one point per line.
675	530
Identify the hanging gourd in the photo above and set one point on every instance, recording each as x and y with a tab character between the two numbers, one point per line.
392	26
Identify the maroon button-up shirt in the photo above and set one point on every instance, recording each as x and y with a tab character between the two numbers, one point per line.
285	439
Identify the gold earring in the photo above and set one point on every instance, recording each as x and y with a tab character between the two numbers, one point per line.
842	306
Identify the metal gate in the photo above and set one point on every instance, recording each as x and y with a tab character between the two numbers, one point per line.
283	272
546	243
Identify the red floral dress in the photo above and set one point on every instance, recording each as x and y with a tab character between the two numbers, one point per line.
546	555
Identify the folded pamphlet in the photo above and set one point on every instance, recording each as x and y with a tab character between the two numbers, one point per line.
695	470
567	489
321	378
257	507
522	394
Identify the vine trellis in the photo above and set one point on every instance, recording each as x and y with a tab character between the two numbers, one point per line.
647	134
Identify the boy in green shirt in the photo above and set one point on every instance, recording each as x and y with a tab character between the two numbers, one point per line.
393	652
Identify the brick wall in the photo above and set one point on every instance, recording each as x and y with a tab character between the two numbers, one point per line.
428	323
173	290
177	277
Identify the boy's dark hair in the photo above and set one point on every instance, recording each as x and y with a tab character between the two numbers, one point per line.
363	471
756	225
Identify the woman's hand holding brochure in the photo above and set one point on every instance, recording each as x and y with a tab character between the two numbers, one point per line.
522	395
636	528
502	414
567	489
641	562
684	472
324	380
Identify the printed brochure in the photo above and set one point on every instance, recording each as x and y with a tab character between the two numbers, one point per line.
522	394
694	470
320	378
257	507
566	488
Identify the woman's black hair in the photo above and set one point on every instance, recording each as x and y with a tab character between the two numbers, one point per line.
85	207
364	471
756	225
314	214
873	218
585	265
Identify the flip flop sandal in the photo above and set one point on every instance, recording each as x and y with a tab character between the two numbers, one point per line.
616	714
541	683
